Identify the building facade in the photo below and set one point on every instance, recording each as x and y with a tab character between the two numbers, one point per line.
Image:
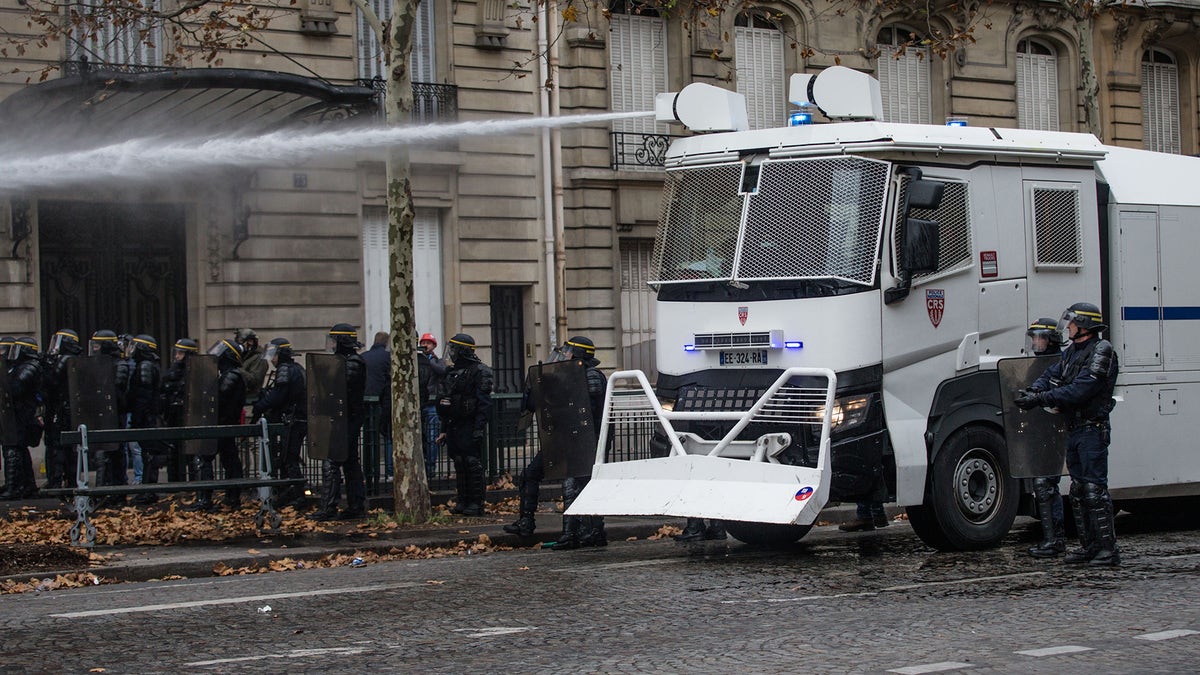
292	248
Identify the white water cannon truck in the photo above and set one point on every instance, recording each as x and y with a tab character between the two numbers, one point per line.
834	299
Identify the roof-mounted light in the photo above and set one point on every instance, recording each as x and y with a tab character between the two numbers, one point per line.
956	121
703	107
840	93
799	118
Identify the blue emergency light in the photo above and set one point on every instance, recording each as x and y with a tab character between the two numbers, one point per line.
799	118
793	344
956	121
689	348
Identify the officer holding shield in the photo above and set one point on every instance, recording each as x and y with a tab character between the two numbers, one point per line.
1080	385
343	342
24	380
60	457
283	401
1043	339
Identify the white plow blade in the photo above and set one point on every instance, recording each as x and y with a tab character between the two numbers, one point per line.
702	486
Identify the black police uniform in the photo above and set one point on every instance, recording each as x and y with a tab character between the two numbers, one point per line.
141	400
464	403
284	401
1045	488
580	531
110	457
172	397
24	381
61	458
346	346
1080	385
231	398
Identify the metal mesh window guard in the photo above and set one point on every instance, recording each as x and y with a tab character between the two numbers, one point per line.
1057	224
698	228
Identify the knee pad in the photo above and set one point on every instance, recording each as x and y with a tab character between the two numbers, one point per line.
1095	495
1078	490
1044	488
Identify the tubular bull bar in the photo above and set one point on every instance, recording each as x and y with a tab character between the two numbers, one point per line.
726	479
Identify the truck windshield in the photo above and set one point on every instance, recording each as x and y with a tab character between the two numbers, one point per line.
806	227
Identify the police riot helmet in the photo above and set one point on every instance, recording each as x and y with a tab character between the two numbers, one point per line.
65	341
279	348
244	335
581	347
460	347
144	347
1043	337
104	341
342	338
184	347
1086	317
22	348
228	353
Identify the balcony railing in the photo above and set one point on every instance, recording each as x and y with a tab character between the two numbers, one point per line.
639	152
432	102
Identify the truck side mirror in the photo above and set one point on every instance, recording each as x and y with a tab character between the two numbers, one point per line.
920	245
925	194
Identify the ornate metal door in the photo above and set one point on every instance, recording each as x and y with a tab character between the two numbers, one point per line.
115	266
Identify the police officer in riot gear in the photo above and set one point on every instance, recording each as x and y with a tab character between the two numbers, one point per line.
464	402
110	457
581	531
172	395
342	340
1080	385
141	400
60	457
253	363
231	398
284	400
24	382
583	349
1043	338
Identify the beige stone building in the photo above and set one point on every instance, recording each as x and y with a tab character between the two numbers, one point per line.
291	248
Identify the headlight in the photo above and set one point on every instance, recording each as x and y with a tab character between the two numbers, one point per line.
848	412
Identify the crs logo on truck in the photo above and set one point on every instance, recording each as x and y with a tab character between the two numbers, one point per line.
935	304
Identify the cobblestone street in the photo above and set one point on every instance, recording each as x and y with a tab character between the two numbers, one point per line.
872	602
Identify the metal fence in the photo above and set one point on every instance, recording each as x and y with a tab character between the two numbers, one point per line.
508	448
645	152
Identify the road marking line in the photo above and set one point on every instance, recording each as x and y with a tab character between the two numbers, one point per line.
493	631
229	601
905	587
1054	651
294	654
1165	635
616	566
931	668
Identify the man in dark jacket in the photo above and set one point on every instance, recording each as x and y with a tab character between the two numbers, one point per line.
24	382
1080	385
379	384
141	400
60	457
464	403
231	398
254	366
343	341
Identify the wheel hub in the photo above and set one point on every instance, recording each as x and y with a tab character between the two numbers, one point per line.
977	485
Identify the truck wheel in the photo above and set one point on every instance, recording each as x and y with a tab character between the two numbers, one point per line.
765	534
972	499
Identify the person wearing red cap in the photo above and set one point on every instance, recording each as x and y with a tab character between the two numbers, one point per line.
430	370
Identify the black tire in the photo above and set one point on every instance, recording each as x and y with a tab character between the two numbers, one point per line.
972	501
765	534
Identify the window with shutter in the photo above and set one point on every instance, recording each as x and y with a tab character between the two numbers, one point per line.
903	74
637	306
637	49
1160	101
758	51
118	45
422	63
1037	86
427	271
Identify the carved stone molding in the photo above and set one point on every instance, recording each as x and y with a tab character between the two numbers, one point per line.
490	29
212	229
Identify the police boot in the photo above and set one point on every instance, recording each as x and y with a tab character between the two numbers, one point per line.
715	531
693	531
476	487
1083	526
523	526
460	486
569	540
356	491
12	480
1100	513
592	531
1053	538
331	493
29	486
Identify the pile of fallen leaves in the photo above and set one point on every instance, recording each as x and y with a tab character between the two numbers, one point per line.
482	544
71	580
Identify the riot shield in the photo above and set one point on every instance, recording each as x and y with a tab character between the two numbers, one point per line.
200	401
328	420
1037	439
92	390
566	432
10	434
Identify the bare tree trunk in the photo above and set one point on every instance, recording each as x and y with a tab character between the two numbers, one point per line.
410	491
